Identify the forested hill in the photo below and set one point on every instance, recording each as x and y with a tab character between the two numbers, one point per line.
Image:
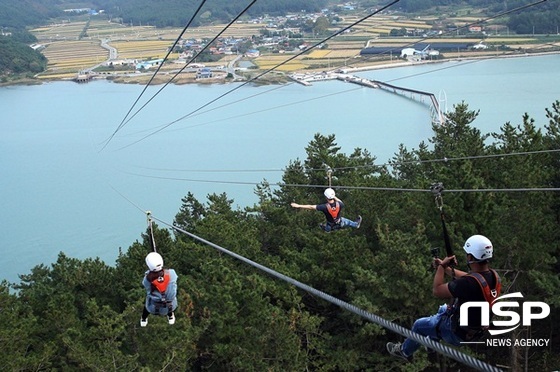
18	58
19	14
177	12
85	314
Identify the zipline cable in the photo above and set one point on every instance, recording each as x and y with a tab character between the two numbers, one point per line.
264	73
390	163
193	58
123	123
526	189
253	112
426	341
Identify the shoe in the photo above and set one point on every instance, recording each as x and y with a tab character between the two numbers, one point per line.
395	349
359	221
171	318
143	322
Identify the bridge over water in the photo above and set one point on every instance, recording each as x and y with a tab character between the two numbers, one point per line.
438	116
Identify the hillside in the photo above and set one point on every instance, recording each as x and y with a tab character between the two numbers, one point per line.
17	59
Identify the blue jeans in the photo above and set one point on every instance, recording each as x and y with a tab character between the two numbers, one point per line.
427	327
344	222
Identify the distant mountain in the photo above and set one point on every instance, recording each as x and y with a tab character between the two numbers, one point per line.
175	13
19	14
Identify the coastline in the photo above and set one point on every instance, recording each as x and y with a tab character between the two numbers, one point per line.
163	78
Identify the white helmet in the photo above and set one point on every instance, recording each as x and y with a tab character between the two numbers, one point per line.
329	193
154	261
479	246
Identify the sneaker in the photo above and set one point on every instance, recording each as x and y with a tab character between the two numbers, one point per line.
359	221
171	318
143	322
395	349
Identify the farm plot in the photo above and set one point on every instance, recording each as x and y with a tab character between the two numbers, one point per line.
59	31
69	57
268	62
237	30
142	49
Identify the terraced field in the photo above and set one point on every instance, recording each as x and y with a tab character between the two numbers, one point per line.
142	49
66	58
71	47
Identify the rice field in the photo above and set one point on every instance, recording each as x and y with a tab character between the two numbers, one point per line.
270	61
141	49
69	57
74	46
319	53
59	31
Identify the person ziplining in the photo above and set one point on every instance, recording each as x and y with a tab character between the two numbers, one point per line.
333	212
480	283
160	284
161	290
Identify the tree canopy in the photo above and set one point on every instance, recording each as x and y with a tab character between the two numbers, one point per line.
17	57
84	314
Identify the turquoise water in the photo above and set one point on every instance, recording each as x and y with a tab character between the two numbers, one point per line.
64	192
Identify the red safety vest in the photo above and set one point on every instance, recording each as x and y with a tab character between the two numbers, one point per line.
162	282
334	211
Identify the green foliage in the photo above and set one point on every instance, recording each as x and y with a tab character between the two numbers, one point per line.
17	58
176	13
233	316
18	14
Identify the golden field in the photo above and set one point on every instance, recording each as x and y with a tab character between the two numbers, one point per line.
73	46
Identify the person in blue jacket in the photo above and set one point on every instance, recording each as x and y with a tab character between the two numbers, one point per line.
161	290
332	210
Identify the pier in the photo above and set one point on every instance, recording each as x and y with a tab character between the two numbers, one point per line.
83	77
438	117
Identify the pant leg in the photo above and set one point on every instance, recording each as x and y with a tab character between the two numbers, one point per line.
145	313
446	331
425	327
344	222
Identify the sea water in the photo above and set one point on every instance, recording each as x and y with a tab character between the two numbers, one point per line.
66	188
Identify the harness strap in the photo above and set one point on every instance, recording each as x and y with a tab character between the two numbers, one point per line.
334	211
490	294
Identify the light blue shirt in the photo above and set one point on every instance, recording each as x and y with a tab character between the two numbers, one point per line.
156	302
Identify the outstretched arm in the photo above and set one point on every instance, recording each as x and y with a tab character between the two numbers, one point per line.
303	206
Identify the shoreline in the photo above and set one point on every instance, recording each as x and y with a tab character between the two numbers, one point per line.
132	79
